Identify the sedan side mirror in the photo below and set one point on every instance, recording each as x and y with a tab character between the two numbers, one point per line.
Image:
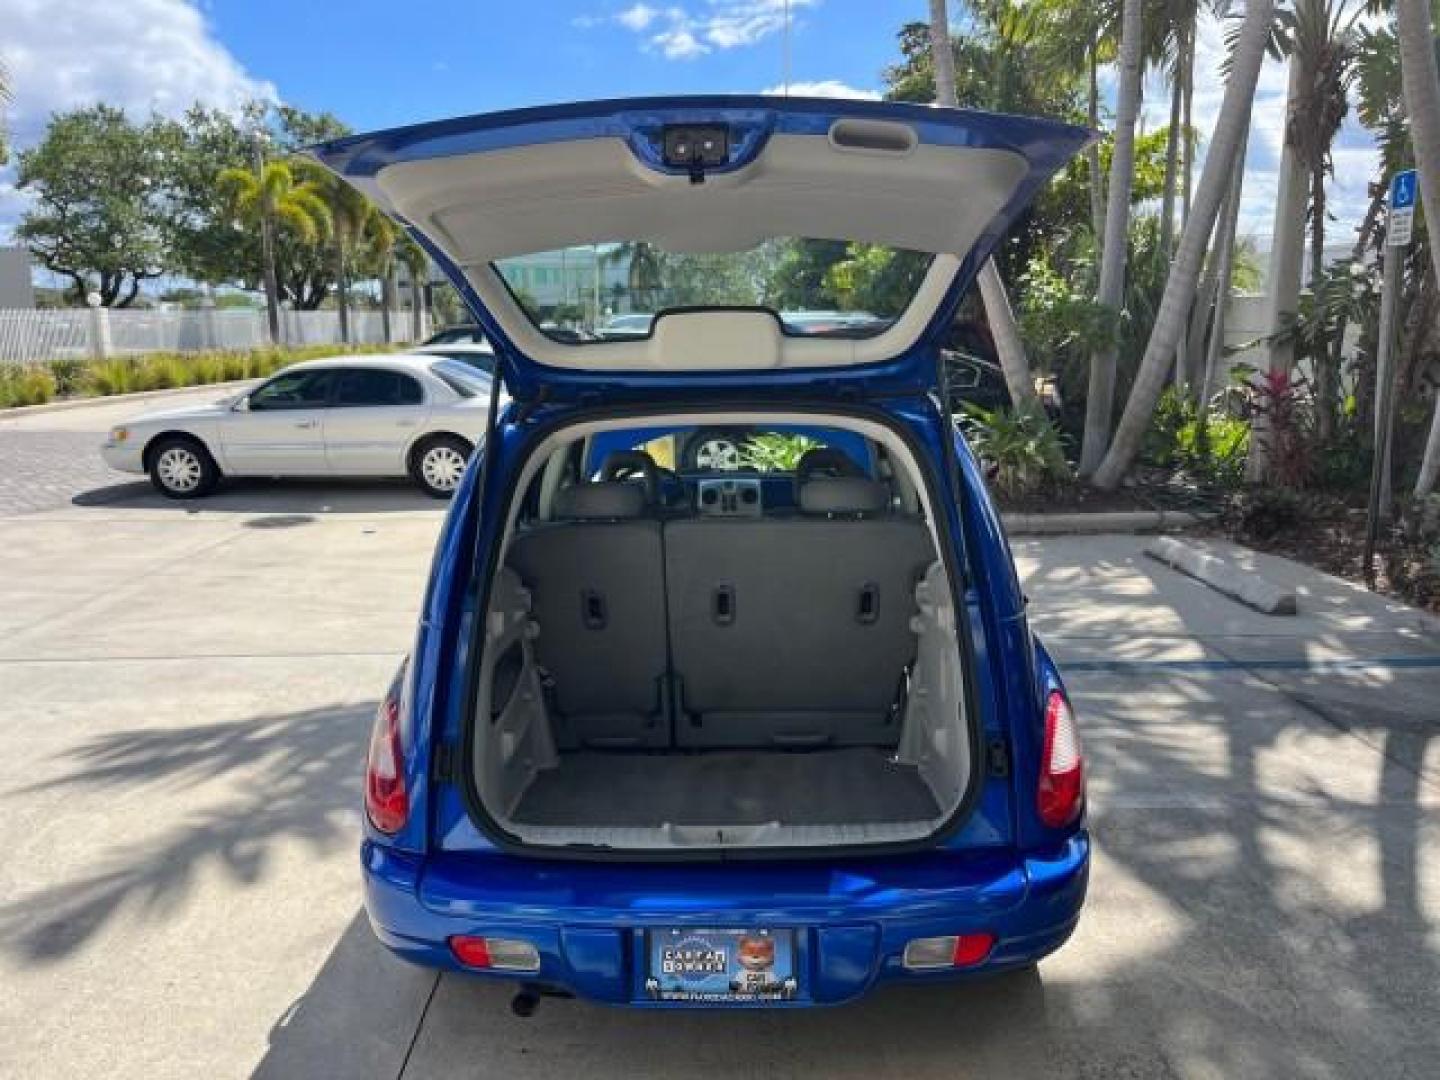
242	404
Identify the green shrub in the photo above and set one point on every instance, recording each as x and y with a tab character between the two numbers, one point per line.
69	375
106	377
1022	446
26	386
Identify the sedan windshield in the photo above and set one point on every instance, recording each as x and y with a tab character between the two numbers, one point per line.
608	292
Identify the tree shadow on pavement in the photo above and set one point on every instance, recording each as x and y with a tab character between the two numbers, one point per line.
294	776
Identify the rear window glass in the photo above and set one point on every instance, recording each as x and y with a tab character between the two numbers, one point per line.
612	292
731	448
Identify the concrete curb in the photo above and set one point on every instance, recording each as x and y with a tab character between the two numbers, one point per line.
1224	576
66	404
1117	521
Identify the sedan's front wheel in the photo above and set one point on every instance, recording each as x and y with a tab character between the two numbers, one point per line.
181	468
438	464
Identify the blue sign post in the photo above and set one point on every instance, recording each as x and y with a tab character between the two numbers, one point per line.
1397	237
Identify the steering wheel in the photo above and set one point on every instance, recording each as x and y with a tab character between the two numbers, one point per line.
632	464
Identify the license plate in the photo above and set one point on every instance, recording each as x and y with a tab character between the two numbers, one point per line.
721	966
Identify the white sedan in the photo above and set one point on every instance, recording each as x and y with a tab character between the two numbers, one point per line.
392	415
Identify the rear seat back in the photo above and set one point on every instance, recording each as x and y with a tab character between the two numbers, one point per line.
794	631
595	577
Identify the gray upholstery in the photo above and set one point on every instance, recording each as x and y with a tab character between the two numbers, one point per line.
600	501
792	632
727	787
599	601
843	495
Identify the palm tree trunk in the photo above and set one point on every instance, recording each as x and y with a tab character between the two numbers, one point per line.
1224	262
1009	347
1422	101
387	299
1287	255
1100	396
1327	376
1008	344
1092	152
1180	285
342	299
1172	173
1184	358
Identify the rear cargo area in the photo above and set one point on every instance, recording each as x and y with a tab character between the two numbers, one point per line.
737	787
657	678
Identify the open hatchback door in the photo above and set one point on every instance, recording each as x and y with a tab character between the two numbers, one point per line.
730	188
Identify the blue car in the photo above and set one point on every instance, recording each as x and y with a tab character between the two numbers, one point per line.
723	693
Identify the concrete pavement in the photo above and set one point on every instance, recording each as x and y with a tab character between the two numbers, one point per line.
187	691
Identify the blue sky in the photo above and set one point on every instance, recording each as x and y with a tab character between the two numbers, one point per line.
380	64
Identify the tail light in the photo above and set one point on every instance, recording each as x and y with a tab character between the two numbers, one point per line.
386	803
952	951
1061	793
495	954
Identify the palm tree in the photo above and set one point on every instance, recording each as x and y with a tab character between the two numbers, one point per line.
359	228
4	100
1421	82
417	265
1003	327
1100	399
1320	39
644	275
1172	318
274	197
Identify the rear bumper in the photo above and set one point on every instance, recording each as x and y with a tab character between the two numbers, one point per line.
853	919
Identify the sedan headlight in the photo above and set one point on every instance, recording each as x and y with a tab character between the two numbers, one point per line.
119	434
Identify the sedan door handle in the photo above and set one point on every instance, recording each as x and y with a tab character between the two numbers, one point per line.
305	423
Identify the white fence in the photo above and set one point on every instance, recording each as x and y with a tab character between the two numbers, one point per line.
36	336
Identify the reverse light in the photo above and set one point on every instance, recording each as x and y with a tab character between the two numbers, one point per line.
1060	795
951	951
386	803
495	954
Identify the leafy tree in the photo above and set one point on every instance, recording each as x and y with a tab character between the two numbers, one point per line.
100	217
880	280
204	243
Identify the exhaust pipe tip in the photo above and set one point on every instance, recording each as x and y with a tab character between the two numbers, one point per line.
524	1003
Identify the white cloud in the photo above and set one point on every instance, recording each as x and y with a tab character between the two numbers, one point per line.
684	33
637	18
143	56
678	43
825	88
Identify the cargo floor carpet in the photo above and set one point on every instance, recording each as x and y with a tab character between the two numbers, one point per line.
732	787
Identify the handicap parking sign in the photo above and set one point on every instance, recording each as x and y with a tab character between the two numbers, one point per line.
1402	208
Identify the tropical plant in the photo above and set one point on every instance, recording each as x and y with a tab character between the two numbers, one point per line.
274	201
1022	449
358	230
773	451
1173	316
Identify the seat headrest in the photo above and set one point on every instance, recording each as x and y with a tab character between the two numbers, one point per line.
602	500
843	495
825	461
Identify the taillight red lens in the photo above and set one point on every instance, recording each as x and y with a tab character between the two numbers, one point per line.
386	803
970	949
1061	793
